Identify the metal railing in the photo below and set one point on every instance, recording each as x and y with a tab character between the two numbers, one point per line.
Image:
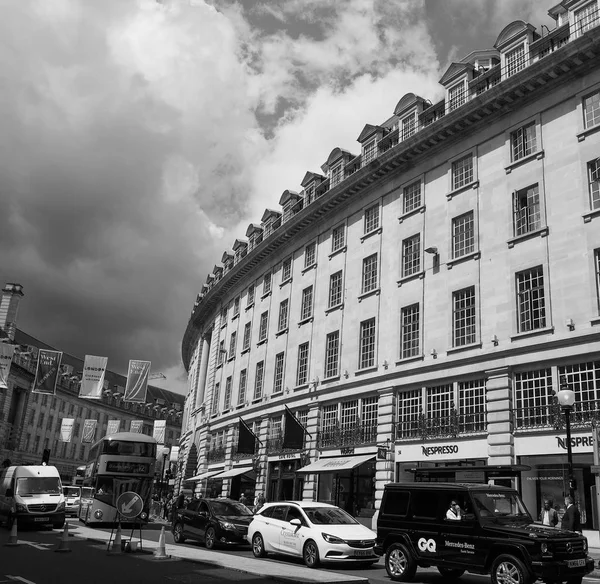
275	446
452	425
551	416
341	437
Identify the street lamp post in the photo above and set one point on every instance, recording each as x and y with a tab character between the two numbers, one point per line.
165	453
566	399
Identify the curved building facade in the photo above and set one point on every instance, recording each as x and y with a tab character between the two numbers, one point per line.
417	303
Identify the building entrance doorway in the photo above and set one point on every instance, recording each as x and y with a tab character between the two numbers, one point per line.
284	484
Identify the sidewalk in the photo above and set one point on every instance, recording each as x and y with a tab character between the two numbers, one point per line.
273	570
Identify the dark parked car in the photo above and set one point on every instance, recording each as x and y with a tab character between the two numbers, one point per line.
212	521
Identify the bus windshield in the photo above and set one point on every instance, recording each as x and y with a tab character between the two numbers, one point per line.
37	485
124	448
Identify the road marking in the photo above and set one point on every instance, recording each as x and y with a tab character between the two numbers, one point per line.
19	579
39	546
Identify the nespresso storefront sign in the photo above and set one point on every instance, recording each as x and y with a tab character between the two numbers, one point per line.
442	451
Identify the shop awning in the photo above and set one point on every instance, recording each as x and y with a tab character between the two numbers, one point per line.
236	472
336	464
204	475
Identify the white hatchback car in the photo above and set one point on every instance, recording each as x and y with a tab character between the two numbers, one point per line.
316	532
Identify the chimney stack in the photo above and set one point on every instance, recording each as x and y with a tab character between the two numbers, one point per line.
9	307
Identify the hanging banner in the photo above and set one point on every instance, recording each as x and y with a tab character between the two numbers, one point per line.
136	426
6	356
113	427
66	429
174	454
293	432
46	372
89	431
159	430
137	381
92	382
246	439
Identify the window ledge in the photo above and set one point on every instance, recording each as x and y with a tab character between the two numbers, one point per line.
219	365
474	255
338	251
277	394
543	232
301	386
417	275
305	320
541	331
419	209
453	350
309	268
226	411
332	378
410	359
471	185
595	321
373	292
366	370
235	316
262	342
587	217
244	351
336	307
265	295
240	406
257	400
581	136
281	332
249	306
288	281
224	324
230	359
536	155
371	233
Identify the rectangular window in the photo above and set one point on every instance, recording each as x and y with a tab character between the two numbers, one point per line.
412	197
533	396
242	386
286	270
591	109
222	352
409	126
594	183
527	213
463	235
307	303
472	406
302	372
586	18
309	195
369	152
515	60
531	306
336	174
349	415
464	317
457	96
410	332
259	379
369	274
246	343
371	221
329	422
367	344
278	379
232	345
262	330
439	402
335	289
236	307
523	142
584	380
215	400
224	316
310	255
250	296
283	315
227	397
597	269
411	255
368	418
332	354
267	283
338	238
462	172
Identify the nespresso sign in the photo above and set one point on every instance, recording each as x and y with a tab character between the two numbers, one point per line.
438	450
575	441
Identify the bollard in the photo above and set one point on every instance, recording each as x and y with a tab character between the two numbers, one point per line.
161	552
12	538
63	546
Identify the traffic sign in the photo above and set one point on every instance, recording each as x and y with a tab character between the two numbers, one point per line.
129	504
595	469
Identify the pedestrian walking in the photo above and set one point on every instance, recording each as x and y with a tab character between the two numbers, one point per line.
243	499
572	518
548	515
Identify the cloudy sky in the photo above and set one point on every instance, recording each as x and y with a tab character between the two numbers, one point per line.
138	138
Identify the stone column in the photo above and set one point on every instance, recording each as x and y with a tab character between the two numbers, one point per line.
309	492
261	459
384	469
501	448
203	368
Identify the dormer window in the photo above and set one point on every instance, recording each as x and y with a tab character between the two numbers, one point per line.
409	125
369	151
515	60
586	18
337	174
309	194
457	96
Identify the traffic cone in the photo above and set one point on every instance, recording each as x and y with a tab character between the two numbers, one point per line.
63	546
161	552
116	546
12	538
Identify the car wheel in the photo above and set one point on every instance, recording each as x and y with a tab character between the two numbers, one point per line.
310	554
399	564
258	546
450	573
178	533
509	570
210	539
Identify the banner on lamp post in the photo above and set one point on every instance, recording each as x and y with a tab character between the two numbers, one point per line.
92	381
66	429
159	430
174	454
89	431
137	381
46	371
113	427
136	426
6	356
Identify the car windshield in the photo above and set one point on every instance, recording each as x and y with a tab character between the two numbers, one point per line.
500	505
71	491
38	485
328	516
229	509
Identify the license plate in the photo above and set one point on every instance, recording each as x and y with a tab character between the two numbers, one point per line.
576	563
363	553
41	519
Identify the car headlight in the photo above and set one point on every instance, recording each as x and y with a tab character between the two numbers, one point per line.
20	508
60	506
98	514
226	525
585	544
332	538
544	548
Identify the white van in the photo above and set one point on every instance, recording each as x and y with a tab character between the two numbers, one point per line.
33	494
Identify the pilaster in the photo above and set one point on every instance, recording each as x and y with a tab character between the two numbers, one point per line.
501	448
309	492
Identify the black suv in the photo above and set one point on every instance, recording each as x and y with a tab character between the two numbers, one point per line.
494	535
